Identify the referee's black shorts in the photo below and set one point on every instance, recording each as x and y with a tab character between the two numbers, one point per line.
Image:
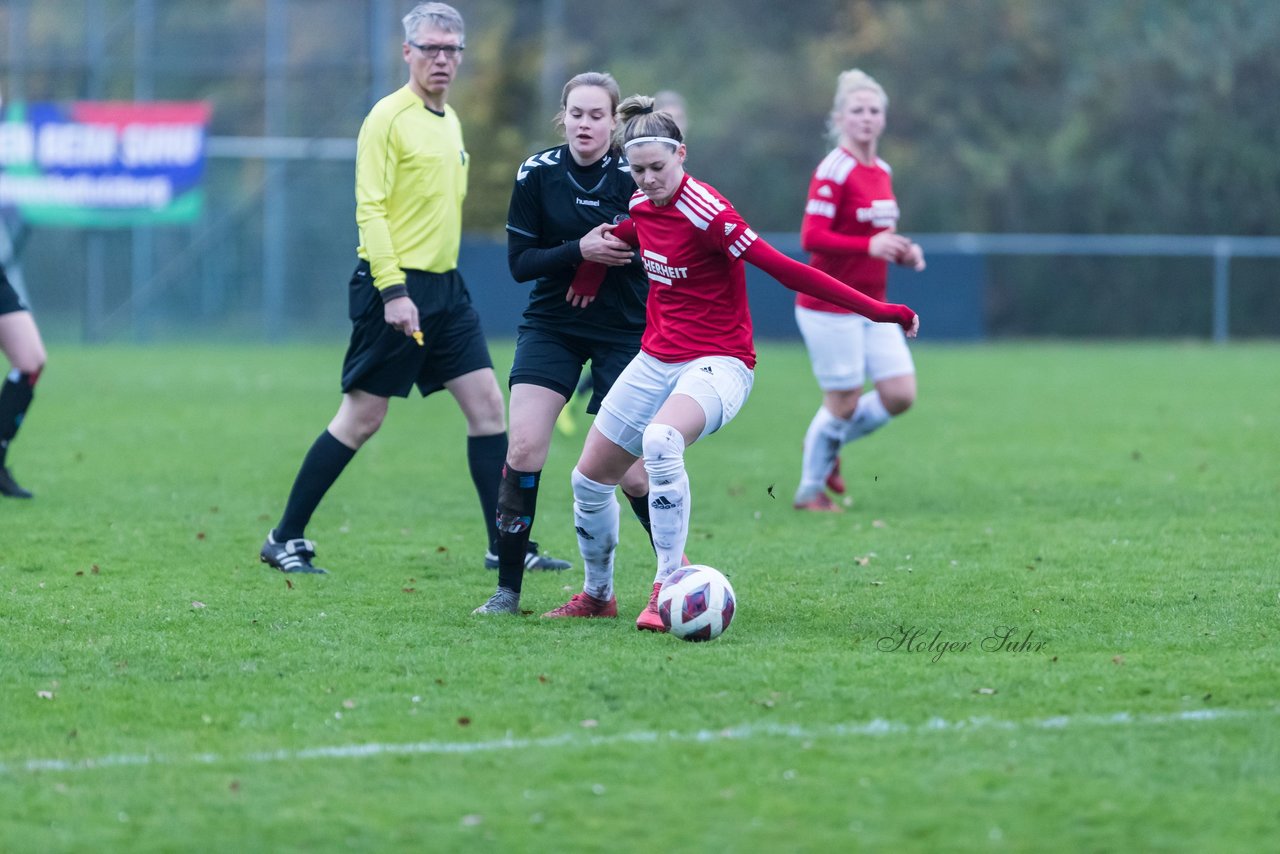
10	301
384	361
554	360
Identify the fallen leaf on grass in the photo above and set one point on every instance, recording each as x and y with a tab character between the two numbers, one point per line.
542	677
198	605
199	535
45	695
862	561
1117	660
408	590
94	569
464	721
288	583
985	691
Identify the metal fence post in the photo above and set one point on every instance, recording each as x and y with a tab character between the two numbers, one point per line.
1221	289
274	228
144	28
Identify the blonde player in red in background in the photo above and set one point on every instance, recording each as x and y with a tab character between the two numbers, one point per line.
850	223
696	362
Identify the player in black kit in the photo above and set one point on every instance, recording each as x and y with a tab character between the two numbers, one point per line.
562	199
21	344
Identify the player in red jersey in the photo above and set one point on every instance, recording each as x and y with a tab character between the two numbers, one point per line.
696	362
850	222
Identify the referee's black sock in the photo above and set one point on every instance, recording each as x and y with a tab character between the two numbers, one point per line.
640	507
517	505
485	457
320	468
15	398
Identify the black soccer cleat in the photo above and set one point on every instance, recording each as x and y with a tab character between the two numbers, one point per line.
533	561
9	487
290	556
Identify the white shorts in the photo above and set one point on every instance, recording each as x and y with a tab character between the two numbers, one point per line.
720	385
846	349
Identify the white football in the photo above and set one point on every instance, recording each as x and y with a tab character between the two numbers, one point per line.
696	603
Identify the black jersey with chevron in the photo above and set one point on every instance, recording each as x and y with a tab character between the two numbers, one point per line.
553	204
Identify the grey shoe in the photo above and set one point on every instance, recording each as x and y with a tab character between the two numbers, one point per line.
504	601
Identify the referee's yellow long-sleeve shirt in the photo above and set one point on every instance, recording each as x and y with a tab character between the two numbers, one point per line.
411	179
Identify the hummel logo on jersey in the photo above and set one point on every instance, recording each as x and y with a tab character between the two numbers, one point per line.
729	227
661	503
595	203
706	369
546	158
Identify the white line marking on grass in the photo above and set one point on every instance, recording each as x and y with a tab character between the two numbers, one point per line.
877	727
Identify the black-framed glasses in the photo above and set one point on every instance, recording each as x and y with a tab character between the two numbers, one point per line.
431	51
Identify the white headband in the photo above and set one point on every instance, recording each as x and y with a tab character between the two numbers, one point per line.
641	140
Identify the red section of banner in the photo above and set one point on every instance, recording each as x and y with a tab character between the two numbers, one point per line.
121	113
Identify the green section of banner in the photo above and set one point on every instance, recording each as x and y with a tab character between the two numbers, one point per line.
184	209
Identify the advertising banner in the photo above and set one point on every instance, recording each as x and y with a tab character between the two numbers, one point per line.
103	164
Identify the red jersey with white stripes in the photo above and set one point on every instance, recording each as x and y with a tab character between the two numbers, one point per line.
691	248
848	202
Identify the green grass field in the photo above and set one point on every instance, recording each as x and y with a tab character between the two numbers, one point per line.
1113	507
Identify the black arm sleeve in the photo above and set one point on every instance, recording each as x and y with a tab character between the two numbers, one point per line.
527	261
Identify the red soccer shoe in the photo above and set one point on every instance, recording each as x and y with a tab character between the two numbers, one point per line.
649	619
585	605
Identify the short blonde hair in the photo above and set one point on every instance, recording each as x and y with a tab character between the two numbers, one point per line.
853	80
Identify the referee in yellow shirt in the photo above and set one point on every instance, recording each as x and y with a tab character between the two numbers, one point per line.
412	318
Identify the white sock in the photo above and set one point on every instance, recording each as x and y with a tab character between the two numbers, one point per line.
869	416
595	517
822	442
669	498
